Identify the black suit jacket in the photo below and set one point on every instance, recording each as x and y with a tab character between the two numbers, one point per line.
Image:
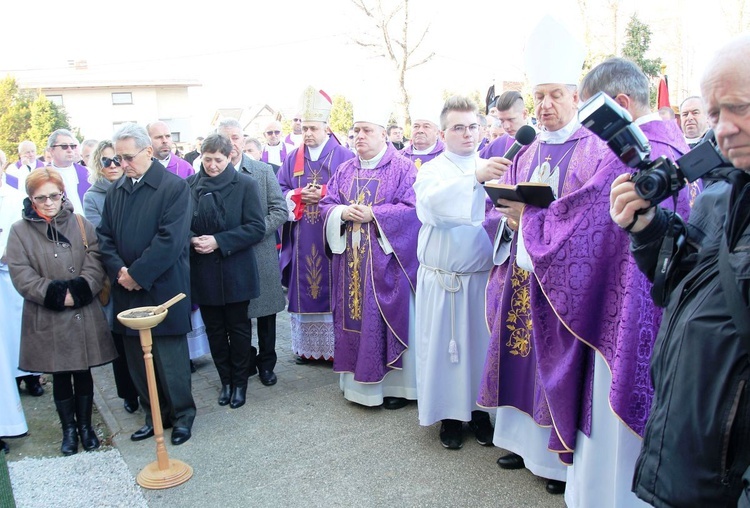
146	228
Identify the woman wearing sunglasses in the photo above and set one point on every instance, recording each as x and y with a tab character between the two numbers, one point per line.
104	172
53	259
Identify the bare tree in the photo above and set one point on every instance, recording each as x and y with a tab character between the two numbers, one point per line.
393	41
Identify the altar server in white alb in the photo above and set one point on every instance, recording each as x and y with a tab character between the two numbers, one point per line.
455	259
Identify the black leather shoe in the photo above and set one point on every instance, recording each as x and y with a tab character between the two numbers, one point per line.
4	447
144	432
394	402
511	461
451	435
180	435
555	487
481	425
301	360
225	394
267	377
238	397
130	405
192	367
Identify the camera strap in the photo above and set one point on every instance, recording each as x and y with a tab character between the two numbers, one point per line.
659	291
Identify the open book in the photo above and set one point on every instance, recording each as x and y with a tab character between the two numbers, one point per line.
532	193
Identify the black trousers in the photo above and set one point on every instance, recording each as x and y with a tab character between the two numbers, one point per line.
266	356
230	337
172	366
124	383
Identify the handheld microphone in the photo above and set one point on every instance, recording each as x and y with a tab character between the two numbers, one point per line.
524	136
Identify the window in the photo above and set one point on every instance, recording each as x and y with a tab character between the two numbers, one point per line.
57	100
122	98
176	137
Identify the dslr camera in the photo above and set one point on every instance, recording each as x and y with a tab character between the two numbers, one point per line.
655	180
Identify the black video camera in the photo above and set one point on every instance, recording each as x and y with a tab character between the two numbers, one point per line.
655	180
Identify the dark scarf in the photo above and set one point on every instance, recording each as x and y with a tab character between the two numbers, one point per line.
210	191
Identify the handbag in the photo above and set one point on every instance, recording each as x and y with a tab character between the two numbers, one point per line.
106	286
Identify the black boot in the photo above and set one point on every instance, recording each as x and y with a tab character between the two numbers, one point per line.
66	409
84	405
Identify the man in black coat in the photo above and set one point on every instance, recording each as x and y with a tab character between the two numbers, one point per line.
144	239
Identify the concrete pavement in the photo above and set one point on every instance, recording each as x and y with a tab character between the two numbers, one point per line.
300	443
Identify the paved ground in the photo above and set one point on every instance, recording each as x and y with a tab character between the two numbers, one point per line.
299	443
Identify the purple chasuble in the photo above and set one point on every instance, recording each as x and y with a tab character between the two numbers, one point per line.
498	147
180	167
305	268
587	297
372	289
419	159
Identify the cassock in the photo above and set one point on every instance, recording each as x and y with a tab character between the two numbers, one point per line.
497	147
419	157
604	461
451	334
12	420
305	268
374	276
179	167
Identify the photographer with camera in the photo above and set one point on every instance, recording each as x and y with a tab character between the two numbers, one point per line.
696	445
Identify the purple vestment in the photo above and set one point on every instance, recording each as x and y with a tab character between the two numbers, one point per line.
584	295
180	167
305	268
419	159
498	147
372	289
282	154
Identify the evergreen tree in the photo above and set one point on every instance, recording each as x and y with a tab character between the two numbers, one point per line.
637	43
342	115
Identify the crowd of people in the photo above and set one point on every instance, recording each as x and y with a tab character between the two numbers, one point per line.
534	326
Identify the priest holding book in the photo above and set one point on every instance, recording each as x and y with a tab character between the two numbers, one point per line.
555	286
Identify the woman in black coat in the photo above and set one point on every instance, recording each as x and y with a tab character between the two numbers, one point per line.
227	222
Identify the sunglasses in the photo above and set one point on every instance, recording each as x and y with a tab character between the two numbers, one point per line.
271	133
117	159
66	146
296	119
55	197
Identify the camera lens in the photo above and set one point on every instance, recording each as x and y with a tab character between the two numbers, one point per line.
650	186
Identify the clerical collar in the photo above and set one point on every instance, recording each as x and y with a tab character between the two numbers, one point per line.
165	162
315	152
425	151
560	136
651	117
692	141
373	163
463	162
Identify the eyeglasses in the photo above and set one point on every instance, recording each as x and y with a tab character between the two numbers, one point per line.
271	133
117	159
461	129
351	137
296	119
55	197
66	146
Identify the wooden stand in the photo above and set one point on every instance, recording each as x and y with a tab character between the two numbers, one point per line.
164	472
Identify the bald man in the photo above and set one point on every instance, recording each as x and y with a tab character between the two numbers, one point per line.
696	446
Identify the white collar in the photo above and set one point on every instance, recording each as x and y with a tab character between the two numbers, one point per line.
316	151
651	117
560	136
463	162
373	163
425	151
